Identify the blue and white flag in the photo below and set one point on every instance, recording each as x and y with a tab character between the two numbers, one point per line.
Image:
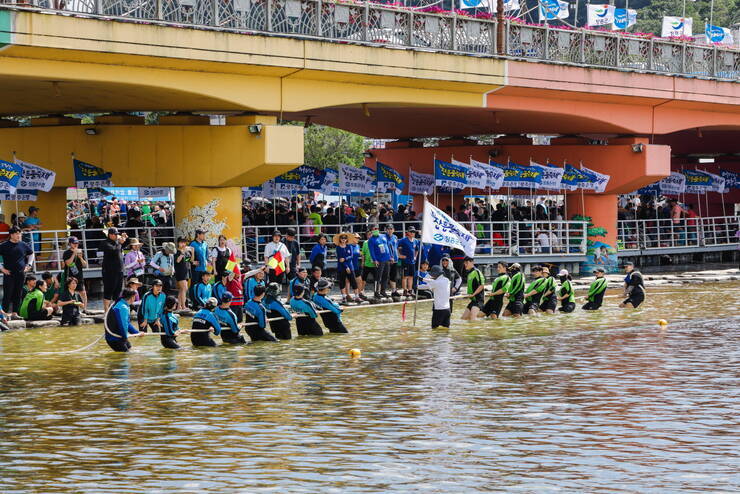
718	182
10	176
732	179
573	179
249	192
624	18
330	186
440	229
676	27
152	192
718	35
35	177
599	14
353	179
552	175
388	179
494	175
673	184
651	189
20	195
522	177
697	182
450	175
551	10
312	179
421	183
599	181
287	184
475	175
89	176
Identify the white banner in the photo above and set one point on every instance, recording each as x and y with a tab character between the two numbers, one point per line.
508	5
476	176
18	197
440	229
330	186
154	192
283	190
551	176
675	27
420	183
494	174
600	182
553	9
600	15
249	192
35	177
673	184
718	182
353	179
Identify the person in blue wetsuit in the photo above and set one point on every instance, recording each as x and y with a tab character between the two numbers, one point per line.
203	320
230	325
276	309
220	287
305	321
301	279
170	324
253	282
332	319
117	322
255	316
202	290
151	308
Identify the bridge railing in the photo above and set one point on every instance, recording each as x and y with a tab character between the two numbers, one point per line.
666	234
375	24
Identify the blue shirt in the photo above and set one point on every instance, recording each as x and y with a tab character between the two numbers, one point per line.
200	254
346	254
151	307
318	254
356	257
301	306
218	291
201	292
436	252
227	316
207	318
249	287
119	322
258	312
378	247
392	246
327	304
275	305
170	323
409	248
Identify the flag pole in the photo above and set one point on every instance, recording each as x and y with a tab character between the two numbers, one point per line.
565	198
508	193
472	217
452	194
16	195
583	200
418	261
434	172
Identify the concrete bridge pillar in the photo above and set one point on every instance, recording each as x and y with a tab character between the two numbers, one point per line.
601	212
217	210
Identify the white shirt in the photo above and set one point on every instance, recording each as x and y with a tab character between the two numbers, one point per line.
544	239
274	247
441	289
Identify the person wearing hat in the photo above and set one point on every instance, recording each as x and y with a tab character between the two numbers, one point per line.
134	284
566	294
202	290
318	253
357	264
408	252
134	261
515	292
392	241
345	267
74	264
476	285
533	293
277	313
634	287
251	282
205	323
255	317
163	264
170	324
305	321
151	308
220	255
112	265
439	284
199	260
294	249
117	322
499	286
332	319
229	324
451	274
549	300
596	291
271	250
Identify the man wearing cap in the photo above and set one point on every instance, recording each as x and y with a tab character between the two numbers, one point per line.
392	241
17	259
151	308
74	263
476	287
273	248
634	287
440	286
112	266
199	261
33	223
294	252
408	252
596	291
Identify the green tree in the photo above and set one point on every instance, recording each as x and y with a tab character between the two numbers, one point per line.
650	13
325	147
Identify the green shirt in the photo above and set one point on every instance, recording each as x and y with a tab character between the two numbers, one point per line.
549	287
567	289
516	284
316	219
367	259
538	286
475	279
597	287
501	282
35	297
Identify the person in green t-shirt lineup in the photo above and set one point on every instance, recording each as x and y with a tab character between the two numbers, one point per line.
476	288
596	291
499	286
566	294
549	300
534	291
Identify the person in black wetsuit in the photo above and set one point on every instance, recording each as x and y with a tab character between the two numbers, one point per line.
255	317
169	323
634	287
205	319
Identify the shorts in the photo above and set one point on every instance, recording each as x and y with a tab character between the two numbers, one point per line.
393	273
635	299
530	306
408	269
343	277
550	303
112	285
119	345
441	317
494	306
515	307
568	307
367	271
476	301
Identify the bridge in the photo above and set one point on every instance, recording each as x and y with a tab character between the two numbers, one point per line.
621	103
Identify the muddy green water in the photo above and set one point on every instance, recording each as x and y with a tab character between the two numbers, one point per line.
580	402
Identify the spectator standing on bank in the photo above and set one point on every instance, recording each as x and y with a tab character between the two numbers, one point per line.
112	268
33	223
17	259
379	252
74	264
294	250
163	263
271	249
219	256
134	261
182	271
318	253
199	261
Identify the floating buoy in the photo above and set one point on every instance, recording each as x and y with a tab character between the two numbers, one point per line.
662	322
354	352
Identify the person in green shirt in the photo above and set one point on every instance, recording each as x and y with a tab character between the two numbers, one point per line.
549	300
33	307
494	305
316	219
476	289
596	291
368	266
515	291
566	294
534	291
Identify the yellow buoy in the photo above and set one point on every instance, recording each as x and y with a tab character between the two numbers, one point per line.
662	322
354	352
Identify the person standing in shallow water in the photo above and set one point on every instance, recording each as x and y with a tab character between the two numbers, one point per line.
634	287
596	291
118	325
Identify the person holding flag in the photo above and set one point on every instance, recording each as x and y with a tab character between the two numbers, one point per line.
277	258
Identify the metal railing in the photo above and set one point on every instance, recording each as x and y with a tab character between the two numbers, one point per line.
374	24
661	234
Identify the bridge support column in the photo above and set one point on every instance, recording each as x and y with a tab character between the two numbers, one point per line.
217	210
600	210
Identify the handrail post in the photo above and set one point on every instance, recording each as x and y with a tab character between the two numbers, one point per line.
506	49
617	57
714	62
650	54
410	30
454	32
683	68
160	10
99	7
366	22
268	16
583	46
319	18
546	53
493	32
215	21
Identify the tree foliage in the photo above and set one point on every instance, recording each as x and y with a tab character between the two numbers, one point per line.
325	147
650	13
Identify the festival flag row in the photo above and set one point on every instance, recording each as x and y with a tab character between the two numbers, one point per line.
693	182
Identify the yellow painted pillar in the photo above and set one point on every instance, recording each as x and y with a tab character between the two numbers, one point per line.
52	208
217	210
